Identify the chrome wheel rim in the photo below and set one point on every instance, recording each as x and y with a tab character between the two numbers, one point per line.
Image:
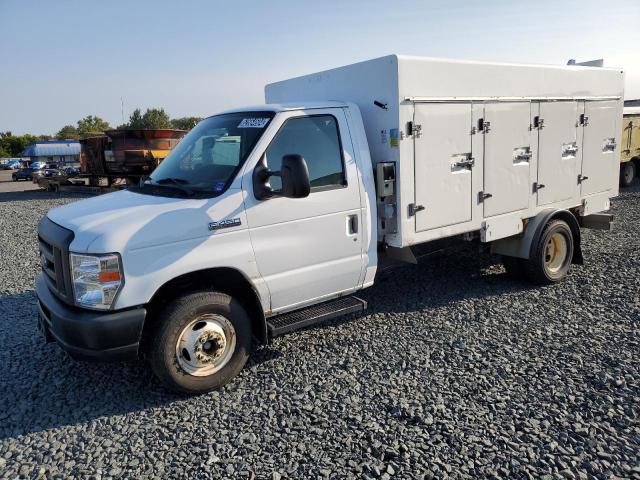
555	252
206	345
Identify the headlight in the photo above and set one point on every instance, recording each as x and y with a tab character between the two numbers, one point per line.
96	279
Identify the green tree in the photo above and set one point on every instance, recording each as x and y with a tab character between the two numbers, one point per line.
152	118
91	125
68	131
135	120
185	123
156	118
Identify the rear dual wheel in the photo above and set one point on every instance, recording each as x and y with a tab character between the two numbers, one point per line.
550	257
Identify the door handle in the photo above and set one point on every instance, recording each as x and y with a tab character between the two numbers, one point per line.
352	224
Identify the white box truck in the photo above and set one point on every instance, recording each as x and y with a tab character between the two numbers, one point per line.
267	219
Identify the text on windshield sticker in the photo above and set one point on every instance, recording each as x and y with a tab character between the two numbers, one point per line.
253	122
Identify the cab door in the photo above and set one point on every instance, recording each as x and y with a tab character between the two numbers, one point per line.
309	249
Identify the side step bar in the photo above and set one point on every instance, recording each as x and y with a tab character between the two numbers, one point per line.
313	315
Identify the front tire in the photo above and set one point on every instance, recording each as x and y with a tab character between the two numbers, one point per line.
202	341
627	173
551	256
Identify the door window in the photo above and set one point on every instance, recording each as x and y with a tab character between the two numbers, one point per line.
316	138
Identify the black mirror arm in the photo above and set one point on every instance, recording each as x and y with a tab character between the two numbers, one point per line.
261	175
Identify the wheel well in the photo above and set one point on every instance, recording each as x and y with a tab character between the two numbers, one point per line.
225	280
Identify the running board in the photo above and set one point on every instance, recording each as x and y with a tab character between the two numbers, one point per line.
313	315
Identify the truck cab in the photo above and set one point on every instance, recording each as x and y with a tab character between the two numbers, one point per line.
257	212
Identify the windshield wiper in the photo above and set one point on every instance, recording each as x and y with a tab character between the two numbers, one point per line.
177	183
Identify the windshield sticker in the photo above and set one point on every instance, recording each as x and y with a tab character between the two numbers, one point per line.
253	122
218	186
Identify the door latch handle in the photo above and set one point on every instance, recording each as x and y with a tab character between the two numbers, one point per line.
352	224
468	162
582	178
538	186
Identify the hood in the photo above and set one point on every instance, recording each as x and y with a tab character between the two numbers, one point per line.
125	220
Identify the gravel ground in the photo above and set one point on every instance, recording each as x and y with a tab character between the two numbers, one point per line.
455	371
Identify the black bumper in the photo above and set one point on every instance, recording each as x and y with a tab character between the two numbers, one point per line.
86	334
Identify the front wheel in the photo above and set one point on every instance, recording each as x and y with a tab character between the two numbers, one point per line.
202	341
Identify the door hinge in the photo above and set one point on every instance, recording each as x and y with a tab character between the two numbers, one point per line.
474	130
584	120
582	178
414	129
537	186
538	122
482	196
484	126
413	209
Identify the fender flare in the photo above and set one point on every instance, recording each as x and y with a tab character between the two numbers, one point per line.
522	245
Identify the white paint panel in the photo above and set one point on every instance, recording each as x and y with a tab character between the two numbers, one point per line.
507	157
559	152
442	188
303	248
601	153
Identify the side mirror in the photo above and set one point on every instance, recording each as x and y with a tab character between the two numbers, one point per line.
293	173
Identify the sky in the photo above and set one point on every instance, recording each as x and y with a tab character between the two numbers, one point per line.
62	60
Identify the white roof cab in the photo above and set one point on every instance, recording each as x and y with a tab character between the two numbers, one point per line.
268	218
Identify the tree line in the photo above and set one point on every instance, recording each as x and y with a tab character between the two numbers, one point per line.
91	125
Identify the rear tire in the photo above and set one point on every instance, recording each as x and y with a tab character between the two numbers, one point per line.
627	173
202	341
551	257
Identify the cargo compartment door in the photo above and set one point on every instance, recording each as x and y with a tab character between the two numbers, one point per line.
600	153
443	165
507	157
559	152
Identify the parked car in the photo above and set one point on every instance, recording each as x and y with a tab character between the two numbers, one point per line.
71	171
37	165
48	172
23	174
11	165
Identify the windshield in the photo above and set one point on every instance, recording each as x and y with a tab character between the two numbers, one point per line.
209	156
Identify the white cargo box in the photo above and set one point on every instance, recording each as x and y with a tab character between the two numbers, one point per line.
478	146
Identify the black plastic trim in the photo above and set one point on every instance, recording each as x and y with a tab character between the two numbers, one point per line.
86	334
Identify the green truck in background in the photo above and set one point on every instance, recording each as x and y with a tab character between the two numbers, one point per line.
630	146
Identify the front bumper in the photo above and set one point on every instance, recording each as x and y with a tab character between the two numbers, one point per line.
86	334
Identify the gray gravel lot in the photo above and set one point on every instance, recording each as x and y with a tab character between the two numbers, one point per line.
454	371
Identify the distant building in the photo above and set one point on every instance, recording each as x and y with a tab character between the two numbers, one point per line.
53	151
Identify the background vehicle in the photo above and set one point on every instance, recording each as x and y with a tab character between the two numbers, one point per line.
116	160
37	165
23	174
47	173
630	146
267	219
11	165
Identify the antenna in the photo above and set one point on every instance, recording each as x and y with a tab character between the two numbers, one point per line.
122	108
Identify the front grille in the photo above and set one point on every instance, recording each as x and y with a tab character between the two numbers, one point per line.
53	242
